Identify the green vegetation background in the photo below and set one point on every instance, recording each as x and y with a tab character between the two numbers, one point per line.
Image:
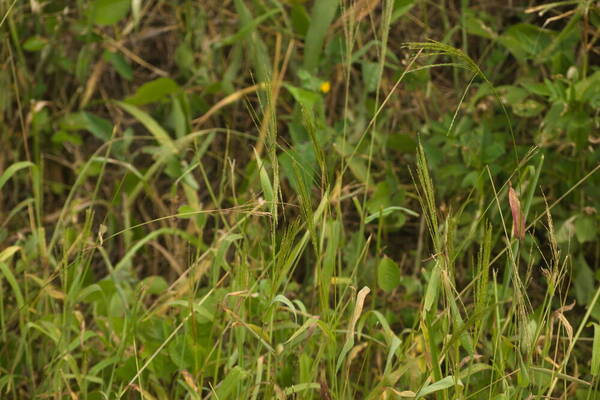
299	199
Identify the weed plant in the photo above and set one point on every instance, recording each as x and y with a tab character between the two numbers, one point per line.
295	199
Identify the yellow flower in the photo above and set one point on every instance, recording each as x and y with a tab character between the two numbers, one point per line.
325	87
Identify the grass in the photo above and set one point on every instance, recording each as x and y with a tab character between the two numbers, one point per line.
263	199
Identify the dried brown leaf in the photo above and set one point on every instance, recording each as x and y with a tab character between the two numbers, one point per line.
517	214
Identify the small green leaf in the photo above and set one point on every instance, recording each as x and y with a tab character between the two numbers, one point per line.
186	212
10	171
154	284
442	384
159	133
370	75
523	378
584	281
119	64
109	12
229	385
525	40
401	7
510	94
300	19
588	89
248	28
299	163
265	182
528	108
62	136
475	26
35	43
97	126
305	98
388	274
310	323
387	211
585	228
432	288
596	351
184	57
402	142
321	16
153	91
203	314
566	230
12	281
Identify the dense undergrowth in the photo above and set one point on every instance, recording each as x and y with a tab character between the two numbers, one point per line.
332	199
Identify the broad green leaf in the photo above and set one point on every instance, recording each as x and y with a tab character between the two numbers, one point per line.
153	91
388	274
109	12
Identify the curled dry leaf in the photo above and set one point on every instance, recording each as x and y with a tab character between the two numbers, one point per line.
517	214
